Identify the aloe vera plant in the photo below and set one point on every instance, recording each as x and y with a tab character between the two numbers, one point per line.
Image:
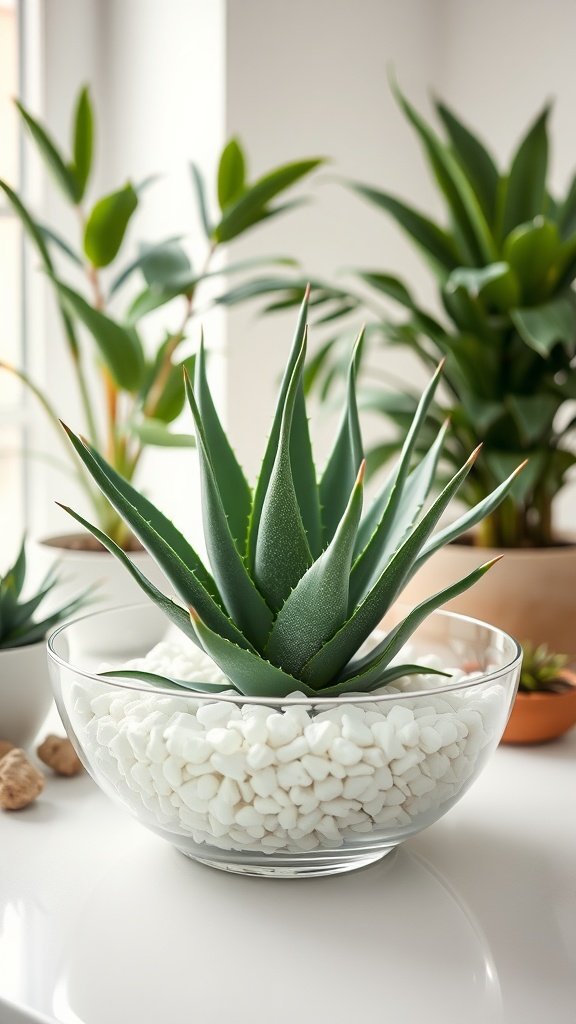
137	391
542	669
19	624
301	576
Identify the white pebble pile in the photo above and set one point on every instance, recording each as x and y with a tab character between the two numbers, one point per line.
252	777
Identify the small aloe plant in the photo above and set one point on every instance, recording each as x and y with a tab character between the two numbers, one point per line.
300	575
541	669
18	625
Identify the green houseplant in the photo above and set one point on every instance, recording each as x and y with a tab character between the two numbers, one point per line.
138	391
284	628
545	705
24	685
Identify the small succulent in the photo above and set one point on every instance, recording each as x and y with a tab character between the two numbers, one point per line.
18	625
301	577
541	669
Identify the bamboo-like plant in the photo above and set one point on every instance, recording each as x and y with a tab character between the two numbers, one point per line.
300	575
140	394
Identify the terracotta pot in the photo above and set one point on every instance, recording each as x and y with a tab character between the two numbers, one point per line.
542	716
530	594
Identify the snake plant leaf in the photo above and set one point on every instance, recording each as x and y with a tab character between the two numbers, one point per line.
107	224
543	327
242	599
330	660
390	646
302	463
346	455
119	347
252	205
166	682
282	554
377	677
231	173
232	484
62	174
249	673
526	188
532	250
436	243
201	198
82	142
463	204
369	559
318	605
474	158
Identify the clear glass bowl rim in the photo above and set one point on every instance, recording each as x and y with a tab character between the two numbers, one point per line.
362	698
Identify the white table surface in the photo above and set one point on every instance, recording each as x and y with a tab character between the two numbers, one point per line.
472	922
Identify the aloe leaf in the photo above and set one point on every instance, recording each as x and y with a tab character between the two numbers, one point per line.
32	632
18	570
282	554
526	188
302	464
346	455
51	155
82	142
166	682
232	484
376	676
432	239
251	674
241	597
475	160
389	647
318	605
367	561
341	647
458	193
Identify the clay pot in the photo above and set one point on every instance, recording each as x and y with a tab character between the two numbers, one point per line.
530	594
543	715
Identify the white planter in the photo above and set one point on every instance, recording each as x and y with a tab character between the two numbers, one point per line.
25	692
113	584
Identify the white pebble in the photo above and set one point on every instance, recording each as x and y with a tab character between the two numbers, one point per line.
356	731
345	752
225	741
282	729
233	766
265	782
320	735
292	751
430	740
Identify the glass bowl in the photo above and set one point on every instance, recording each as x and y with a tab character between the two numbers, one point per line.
293	786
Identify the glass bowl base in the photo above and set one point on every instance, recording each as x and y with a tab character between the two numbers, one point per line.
298	866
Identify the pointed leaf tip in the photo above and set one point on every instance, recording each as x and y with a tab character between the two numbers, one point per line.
361	473
194	614
472	458
519	468
488	565
307	291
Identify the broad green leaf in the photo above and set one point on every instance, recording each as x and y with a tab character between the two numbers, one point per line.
107	224
336	653
388	285
346	455
250	673
526	189
178	616
200	189
171	401
231	173
533	250
242	599
432	239
497	284
534	415
543	327
232	485
165	682
166	266
51	155
282	553
566	217
82	142
252	204
155	432
318	605
475	160
119	347
144	256
153	298
461	199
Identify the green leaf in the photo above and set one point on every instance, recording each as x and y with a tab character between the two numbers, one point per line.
432	239
566	217
475	160
252	204
282	553
119	347
346	455
458	193
145	255
51	155
496	285
166	682
18	571
534	415
503	463
200	189
166	266
242	599
155	432
232	485
173	612
318	605
51	236
376	677
250	673
107	224
545	326
526	189
171	401
82	142
32	228
150	299
532	250
388	285
231	173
